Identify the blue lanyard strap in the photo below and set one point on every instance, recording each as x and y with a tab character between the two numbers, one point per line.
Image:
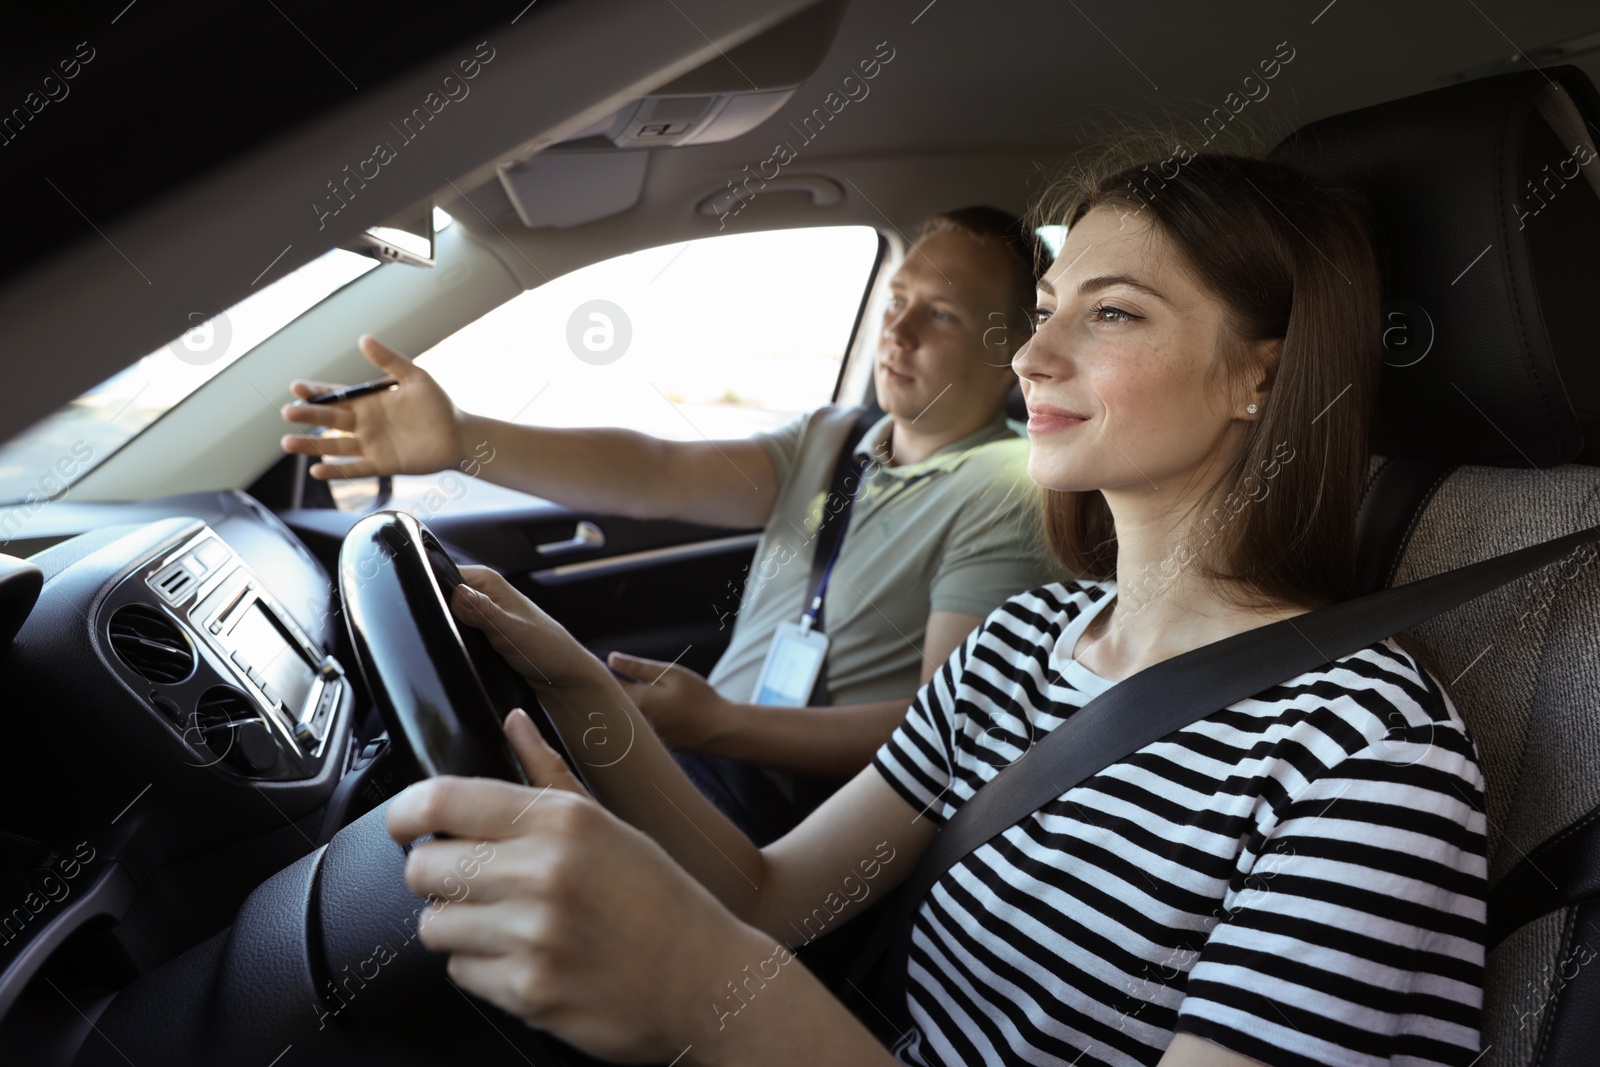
809	619
814	610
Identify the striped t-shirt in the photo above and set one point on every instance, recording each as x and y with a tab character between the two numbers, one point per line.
1298	877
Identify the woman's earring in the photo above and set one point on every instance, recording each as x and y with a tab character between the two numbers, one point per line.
1251	409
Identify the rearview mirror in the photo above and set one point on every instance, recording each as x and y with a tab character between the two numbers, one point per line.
404	238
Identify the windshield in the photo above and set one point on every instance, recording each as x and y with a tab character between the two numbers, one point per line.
44	460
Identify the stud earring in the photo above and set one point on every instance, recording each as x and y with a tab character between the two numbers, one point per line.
1251	409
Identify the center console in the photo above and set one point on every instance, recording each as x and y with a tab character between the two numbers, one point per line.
247	688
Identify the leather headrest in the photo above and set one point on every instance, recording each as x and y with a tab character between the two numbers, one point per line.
1486	202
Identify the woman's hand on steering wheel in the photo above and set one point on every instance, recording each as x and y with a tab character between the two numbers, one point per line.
535	645
565	916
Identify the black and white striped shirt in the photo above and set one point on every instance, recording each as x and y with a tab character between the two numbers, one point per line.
1298	877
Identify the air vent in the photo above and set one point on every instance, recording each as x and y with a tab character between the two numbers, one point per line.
231	726
151	643
220	709
175	582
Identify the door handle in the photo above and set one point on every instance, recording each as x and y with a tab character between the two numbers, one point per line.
587	535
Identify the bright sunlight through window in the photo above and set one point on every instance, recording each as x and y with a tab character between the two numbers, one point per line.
714	338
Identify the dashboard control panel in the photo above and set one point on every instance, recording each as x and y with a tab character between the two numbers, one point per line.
251	665
296	682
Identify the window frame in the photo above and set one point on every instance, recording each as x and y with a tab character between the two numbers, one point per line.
869	293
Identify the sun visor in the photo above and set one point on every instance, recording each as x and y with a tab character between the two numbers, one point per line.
602	174
570	187
600	170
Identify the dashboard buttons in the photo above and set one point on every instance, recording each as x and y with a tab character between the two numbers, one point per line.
325	702
212	553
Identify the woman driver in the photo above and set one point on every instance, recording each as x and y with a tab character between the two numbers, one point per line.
1296	879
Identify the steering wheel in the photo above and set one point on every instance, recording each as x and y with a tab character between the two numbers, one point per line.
442	692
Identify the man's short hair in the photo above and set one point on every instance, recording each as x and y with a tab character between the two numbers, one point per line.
1026	255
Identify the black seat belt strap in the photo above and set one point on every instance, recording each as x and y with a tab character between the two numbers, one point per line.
1561	872
1170	695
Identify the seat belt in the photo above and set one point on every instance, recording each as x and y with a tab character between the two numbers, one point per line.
847	468
1165	698
754	788
1561	872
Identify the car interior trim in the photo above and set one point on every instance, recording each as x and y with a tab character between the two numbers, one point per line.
632	561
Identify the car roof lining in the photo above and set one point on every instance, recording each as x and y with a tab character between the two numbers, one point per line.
212	241
962	114
1023	100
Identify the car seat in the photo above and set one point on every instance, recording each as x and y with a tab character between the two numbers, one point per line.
1486	201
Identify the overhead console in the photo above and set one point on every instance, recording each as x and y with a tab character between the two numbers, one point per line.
599	171
661	120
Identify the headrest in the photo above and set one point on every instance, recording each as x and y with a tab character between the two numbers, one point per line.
1486	201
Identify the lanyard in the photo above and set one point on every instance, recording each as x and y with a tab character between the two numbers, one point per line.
833	530
812	613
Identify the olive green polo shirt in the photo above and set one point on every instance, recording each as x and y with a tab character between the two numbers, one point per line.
959	531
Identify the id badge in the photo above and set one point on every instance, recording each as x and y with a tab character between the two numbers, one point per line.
793	662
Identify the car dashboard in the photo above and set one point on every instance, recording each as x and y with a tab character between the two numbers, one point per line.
179	719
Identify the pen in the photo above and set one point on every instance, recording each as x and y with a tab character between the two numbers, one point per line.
350	392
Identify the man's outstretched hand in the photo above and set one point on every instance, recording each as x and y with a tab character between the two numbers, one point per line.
413	428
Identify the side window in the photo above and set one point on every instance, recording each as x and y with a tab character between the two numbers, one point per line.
716	338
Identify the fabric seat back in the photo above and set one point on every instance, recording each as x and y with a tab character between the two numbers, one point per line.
1486	200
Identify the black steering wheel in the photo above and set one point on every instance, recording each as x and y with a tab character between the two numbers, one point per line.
443	692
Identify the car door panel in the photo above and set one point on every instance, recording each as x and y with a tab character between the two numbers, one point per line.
657	588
